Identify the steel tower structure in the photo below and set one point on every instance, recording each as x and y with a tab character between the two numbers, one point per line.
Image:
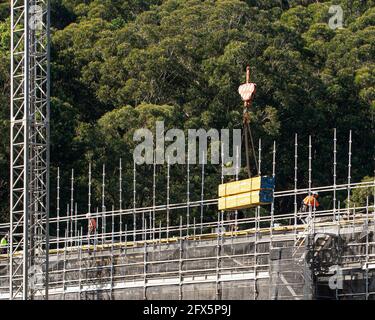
29	171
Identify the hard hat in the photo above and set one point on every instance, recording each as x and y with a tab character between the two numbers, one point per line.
315	193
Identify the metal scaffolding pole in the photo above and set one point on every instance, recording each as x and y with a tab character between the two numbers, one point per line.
168	196
134	200
188	192
58	208
180	262
237	174
310	184
349	169
295	181
257	218
71	206
153	197
272	213
103	189
120	198
202	192
367	250
334	169
89	193
80	264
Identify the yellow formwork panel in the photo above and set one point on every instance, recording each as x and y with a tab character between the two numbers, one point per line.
242	186
243	201
222	203
235	187
222	190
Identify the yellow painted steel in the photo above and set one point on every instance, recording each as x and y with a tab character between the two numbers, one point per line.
242	186
245	193
240	201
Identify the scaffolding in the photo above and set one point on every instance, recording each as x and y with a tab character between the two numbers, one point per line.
186	250
29	148
163	252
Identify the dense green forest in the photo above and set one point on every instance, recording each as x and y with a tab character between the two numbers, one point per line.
118	65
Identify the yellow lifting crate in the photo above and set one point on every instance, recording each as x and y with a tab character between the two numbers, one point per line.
247	185
246	193
246	200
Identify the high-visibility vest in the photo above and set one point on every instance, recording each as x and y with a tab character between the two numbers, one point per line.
4	242
311	201
92	224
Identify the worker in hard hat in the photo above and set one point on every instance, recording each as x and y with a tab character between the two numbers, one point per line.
4	244
310	202
92	227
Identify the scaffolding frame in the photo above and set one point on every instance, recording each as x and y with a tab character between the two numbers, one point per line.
29	148
115	240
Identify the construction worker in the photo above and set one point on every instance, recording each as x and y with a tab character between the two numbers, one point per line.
4	244
92	227
310	202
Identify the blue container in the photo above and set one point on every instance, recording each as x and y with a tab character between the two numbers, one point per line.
266	196
267	182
